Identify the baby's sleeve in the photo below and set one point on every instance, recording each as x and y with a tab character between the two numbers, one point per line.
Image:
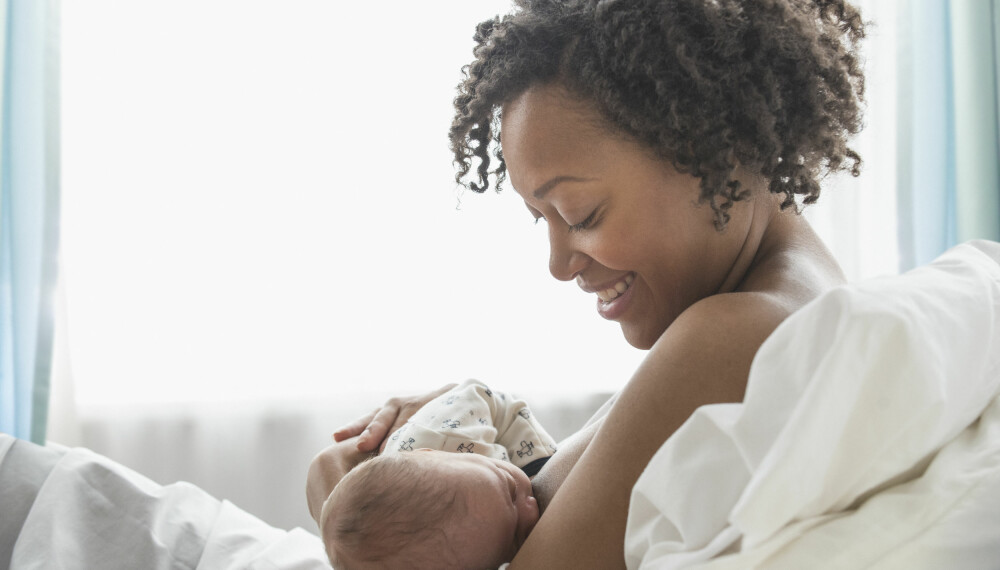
472	418
519	431
460	420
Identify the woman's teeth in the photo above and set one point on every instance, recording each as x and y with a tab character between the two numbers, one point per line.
613	292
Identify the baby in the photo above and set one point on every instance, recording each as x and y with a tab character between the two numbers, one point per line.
451	490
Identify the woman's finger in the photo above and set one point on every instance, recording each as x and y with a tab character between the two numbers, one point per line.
373	429
400	421
409	406
354	428
438	392
378	428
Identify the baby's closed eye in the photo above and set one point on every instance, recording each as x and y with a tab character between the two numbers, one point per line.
512	487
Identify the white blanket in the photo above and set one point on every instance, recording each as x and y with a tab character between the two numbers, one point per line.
869	438
91	512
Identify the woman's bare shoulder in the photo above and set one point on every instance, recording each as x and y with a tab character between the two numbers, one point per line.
720	334
727	319
789	274
782	280
703	358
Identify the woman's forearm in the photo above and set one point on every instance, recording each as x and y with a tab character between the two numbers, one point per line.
327	469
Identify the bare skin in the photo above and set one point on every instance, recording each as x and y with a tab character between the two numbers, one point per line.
372	429
705	303
328	467
701	301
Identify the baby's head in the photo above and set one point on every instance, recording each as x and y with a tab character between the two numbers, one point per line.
428	509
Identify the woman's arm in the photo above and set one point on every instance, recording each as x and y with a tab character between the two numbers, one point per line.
327	469
703	358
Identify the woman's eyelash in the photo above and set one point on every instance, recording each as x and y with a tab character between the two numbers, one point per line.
585	223
576	227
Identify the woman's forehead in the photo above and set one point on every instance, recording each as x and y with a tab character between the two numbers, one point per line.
543	141
546	115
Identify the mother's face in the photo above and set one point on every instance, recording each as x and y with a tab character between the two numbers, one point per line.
623	223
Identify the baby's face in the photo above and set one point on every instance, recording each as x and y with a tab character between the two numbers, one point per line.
501	507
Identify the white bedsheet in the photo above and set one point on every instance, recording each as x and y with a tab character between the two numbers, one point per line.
869	438
91	512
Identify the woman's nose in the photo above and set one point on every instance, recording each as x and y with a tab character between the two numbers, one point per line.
565	260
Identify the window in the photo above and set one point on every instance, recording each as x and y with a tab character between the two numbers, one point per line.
258	202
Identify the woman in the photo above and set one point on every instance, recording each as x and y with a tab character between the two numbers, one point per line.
665	144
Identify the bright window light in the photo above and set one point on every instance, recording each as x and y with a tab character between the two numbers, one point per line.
259	203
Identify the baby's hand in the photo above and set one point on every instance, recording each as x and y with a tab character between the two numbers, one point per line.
372	429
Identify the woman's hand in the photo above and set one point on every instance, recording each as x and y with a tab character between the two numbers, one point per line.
373	428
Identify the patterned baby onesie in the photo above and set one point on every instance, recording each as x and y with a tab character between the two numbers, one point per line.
471	418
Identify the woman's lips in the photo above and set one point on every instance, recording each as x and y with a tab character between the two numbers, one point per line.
613	301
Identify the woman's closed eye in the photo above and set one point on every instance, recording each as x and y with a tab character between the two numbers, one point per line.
586	223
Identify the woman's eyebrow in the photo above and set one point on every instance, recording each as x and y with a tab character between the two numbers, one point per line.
544	188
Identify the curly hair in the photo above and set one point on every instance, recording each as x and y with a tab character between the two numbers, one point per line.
775	85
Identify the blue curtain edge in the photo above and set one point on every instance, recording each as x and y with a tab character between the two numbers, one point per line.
50	240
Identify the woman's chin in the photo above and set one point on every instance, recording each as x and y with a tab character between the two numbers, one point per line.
638	337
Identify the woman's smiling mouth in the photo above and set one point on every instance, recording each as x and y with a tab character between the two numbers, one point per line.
609	294
612	297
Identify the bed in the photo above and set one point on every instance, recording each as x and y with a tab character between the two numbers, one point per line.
869	438
72	508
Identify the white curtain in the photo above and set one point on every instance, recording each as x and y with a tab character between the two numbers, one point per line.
856	217
266	209
262	239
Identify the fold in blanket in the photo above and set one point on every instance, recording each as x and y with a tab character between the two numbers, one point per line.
869	437
90	512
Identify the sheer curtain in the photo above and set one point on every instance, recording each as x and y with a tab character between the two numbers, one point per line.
931	142
262	237
266	209
949	164
29	208
260	204
263	240
856	217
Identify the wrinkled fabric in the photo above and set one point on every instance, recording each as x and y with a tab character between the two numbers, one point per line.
90	512
472	418
869	437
